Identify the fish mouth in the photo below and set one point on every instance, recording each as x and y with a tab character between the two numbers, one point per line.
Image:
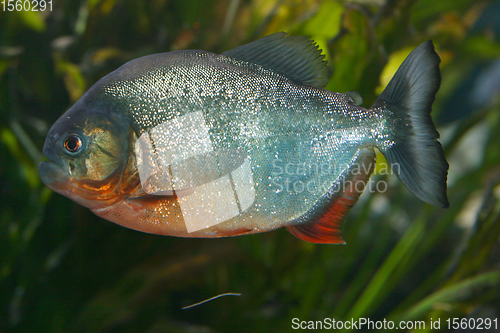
55	177
59	180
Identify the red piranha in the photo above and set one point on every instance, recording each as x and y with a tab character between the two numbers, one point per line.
196	144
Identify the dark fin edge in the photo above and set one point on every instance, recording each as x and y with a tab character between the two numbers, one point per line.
322	224
419	157
296	57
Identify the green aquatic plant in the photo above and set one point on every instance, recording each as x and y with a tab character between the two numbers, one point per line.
62	269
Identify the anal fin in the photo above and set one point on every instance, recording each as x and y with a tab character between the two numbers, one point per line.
323	222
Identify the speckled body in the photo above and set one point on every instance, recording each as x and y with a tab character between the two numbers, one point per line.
280	124
195	144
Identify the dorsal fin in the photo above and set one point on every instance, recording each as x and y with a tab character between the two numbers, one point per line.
296	57
322	223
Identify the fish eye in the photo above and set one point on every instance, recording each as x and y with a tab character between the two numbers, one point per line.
73	143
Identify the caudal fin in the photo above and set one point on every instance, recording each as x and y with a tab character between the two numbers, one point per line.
413	152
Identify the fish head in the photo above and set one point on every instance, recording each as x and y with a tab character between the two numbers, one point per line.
88	152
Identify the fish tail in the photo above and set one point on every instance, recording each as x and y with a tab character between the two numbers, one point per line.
413	151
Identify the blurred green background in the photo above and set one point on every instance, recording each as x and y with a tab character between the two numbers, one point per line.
62	269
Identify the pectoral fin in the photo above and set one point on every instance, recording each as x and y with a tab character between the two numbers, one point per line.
323	222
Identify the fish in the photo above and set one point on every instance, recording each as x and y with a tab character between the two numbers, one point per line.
195	144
